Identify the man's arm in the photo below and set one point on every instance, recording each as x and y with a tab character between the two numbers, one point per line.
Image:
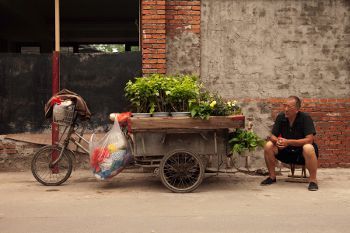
309	139
273	139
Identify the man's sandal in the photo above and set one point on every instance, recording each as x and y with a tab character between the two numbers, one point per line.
268	181
312	186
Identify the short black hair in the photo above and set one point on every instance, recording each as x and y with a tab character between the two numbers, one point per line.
297	101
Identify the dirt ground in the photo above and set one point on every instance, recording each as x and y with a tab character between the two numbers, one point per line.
137	202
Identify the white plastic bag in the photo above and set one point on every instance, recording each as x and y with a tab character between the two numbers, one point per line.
109	155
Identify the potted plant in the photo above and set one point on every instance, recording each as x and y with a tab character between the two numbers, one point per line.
213	105
182	90
138	93
244	140
159	101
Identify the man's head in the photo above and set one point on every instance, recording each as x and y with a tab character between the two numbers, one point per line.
292	106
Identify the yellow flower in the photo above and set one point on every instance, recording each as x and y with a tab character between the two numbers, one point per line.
212	104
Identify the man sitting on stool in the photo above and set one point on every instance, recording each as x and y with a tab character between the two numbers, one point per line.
292	142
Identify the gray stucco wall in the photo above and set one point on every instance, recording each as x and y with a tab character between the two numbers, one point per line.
275	48
265	48
183	53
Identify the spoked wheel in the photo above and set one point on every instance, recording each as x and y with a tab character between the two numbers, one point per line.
47	174
181	171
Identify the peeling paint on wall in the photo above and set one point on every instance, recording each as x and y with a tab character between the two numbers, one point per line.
276	48
183	53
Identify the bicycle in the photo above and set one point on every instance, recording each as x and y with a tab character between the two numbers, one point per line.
53	164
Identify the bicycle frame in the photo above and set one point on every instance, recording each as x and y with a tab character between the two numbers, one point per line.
69	138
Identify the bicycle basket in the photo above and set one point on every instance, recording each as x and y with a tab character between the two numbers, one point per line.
63	114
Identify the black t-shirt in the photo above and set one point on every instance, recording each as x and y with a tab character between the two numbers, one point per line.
302	126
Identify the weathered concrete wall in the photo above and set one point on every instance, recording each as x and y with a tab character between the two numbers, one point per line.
260	51
183	36
25	86
276	48
183	54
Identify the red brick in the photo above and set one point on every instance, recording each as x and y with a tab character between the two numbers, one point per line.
161	61
11	151
149	12
158	36
159	46
152	17
9	146
149	61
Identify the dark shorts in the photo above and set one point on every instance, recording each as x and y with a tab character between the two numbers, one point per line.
293	155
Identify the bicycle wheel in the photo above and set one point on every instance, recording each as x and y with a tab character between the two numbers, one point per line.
49	175
181	171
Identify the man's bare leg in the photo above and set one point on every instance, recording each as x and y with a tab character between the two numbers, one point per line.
310	161
270	150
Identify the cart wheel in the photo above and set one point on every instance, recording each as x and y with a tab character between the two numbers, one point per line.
181	171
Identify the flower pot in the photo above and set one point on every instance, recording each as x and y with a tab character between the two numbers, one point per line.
180	114
160	114
141	114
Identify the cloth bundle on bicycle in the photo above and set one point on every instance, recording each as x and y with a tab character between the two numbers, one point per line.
109	156
81	106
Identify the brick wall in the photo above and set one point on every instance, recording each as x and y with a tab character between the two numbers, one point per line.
183	19
7	152
332	122
170	34
181	16
153	37
7	149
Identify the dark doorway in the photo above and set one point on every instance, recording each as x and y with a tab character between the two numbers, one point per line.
99	54
31	23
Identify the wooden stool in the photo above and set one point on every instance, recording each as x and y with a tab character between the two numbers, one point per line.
297	178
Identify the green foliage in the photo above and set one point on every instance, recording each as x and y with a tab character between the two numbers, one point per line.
162	93
242	140
139	94
108	48
159	85
180	93
213	105
182	90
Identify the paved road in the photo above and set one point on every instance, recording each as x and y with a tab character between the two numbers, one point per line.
139	203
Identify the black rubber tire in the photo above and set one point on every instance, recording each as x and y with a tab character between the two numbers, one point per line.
41	166
181	171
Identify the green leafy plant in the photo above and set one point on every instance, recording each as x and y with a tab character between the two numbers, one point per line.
162	93
180	93
213	105
182	90
139	93
242	140
159	85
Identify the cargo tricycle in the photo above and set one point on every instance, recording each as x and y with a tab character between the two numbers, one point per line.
178	149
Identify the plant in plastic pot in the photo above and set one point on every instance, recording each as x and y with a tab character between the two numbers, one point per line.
139	93
244	140
213	105
182	90
159	101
